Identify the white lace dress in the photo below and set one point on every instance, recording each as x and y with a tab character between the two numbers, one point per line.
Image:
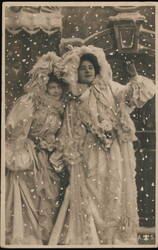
32	186
100	205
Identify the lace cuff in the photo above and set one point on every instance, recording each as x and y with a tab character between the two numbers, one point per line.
141	89
19	155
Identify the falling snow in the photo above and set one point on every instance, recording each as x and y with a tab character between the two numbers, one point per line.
22	50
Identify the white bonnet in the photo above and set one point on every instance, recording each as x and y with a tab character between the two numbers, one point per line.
71	62
46	64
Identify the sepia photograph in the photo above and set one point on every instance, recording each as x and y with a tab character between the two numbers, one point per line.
78	133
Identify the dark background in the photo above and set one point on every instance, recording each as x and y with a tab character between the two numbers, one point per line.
23	49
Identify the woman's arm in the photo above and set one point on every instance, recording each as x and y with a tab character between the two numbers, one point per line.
137	92
18	147
20	117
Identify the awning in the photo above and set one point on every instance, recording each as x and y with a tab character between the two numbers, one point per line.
32	19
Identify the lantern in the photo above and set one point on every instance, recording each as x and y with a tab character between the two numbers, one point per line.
127	25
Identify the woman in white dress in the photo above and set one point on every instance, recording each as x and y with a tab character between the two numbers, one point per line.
32	185
100	205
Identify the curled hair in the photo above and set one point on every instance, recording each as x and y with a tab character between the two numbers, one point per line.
53	78
93	59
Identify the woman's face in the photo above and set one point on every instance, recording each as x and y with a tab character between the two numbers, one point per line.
54	89
86	72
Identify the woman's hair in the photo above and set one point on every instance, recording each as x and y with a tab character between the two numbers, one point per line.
93	59
53	78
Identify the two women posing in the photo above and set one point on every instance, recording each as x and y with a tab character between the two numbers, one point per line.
76	123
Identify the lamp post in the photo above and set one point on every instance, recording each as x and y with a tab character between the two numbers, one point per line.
127	25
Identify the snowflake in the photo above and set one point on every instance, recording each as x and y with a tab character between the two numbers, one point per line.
77	28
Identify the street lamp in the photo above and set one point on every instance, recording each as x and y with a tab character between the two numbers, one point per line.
127	25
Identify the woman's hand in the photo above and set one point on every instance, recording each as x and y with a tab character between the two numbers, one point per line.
56	160
47	142
131	69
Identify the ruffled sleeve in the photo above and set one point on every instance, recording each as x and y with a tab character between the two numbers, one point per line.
18	151
136	93
143	89
20	117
